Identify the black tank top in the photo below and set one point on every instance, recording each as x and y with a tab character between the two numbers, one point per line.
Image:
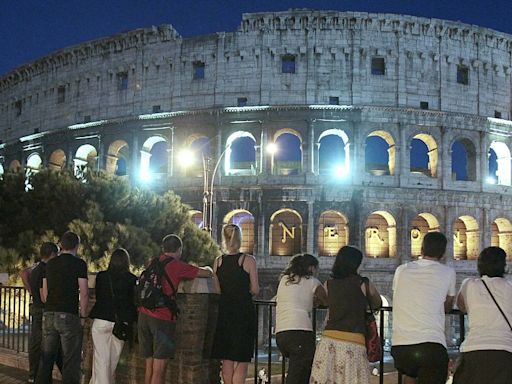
347	305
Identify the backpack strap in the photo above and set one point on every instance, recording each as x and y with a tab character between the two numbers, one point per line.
164	273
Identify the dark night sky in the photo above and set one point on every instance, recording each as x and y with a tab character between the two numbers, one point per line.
32	28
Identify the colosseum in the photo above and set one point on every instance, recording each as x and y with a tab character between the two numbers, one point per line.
309	129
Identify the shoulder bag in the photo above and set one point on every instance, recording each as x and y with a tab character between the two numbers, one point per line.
373	344
121	329
497	305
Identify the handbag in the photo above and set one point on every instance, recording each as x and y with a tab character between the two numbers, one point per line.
373	344
121	329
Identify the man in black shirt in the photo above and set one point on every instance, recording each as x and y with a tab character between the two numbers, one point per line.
33	281
64	283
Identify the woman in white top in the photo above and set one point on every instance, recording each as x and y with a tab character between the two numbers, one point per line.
487	350
297	291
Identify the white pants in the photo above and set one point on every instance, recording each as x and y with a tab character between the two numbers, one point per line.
107	349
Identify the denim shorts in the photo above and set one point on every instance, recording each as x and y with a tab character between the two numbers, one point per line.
156	337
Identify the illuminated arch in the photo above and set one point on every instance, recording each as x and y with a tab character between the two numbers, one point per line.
466	242
339	162
501	235
1	171
57	160
15	166
245	220
197	218
380	235
463	157
285	233
34	163
86	156
117	158
287	160
424	155
503	173
420	226
195	151
153	157
379	160
240	156
332	233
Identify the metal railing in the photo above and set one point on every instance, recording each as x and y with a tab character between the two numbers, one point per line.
14	318
268	357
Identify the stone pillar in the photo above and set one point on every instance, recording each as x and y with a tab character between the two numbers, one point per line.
195	331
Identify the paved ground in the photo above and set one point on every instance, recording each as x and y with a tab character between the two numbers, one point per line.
9	375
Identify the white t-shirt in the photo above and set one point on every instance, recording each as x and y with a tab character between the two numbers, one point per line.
419	292
295	304
487	327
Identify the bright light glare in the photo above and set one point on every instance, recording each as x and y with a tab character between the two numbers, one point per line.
490	180
272	148
186	158
340	171
145	175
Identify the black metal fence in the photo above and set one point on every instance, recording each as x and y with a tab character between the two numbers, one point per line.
270	365
14	318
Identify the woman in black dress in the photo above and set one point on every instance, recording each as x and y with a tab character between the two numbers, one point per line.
236	324
114	296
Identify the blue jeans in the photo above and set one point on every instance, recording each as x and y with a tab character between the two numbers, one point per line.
64	329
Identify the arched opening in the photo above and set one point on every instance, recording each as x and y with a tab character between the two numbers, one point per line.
287	159
501	235
57	160
34	163
197	150
379	154
333	153
423	155
1	171
332	233
245	220
85	159
380	235
285	233
465	238
15	166
420	226
197	218
463	160
153	158
240	157
499	164
117	159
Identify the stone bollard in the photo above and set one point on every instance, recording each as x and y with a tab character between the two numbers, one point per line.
195	331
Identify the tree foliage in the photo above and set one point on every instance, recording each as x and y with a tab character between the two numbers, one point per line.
104	210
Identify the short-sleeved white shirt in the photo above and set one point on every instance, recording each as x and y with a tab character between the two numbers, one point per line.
295	304
419	292
487	327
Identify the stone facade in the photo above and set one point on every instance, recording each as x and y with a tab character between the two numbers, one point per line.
302	74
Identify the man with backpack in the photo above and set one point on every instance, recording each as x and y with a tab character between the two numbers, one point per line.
156	292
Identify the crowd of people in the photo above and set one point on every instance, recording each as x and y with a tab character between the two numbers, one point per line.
423	291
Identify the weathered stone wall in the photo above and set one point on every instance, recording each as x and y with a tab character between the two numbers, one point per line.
333	53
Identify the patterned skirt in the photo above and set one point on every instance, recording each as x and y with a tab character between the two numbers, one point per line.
340	362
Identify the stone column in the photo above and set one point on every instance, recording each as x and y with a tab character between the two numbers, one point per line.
195	331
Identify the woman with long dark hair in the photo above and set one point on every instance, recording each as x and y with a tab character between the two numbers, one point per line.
297	291
114	298
341	354
487	349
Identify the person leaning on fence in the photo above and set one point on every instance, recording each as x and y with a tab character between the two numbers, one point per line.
298	289
66	297
236	323
156	328
423	290
487	349
340	356
114	301
33	281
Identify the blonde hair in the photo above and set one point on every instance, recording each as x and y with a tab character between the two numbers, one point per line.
231	237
